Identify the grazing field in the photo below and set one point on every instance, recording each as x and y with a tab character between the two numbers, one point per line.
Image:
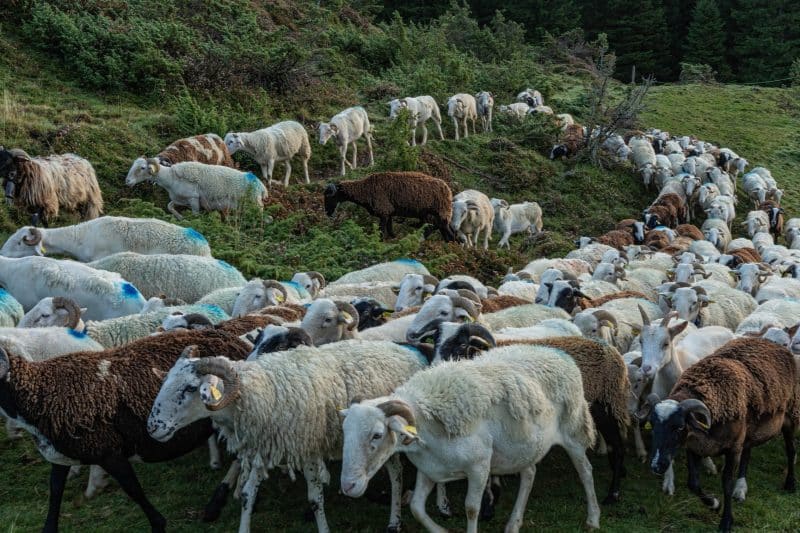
44	107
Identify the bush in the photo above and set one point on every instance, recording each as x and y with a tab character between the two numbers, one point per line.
697	73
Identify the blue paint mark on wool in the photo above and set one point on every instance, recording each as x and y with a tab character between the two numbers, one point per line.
215	311
195	235
77	334
407	261
299	288
4	294
129	291
251	177
225	265
419	354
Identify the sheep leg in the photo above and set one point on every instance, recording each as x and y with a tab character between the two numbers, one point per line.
577	453
693	481
343	155
439	127
98	480
121	470
355	155
610	433
711	468
395	469
506	236
305	170
424	134
389	230
214	507
369	148
791	454
455	125
249	493
466	128
171	209
518	513
215	460
487	235
58	479
413	133
740	487
13	432
316	475
288	174
476	484
668	485
422	489
641	451
442	503
731	464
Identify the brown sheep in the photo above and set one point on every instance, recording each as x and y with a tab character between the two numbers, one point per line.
92	408
615	238
587	303
741	396
689	230
209	149
656	240
403	194
500	302
571	141
604	374
667	210
46	185
634	227
746	255
289	312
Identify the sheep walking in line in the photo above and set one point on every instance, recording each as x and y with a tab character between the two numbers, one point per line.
46	185
101	237
279	142
462	107
473	214
485	103
346	128
420	110
209	149
196	185
402	194
496	415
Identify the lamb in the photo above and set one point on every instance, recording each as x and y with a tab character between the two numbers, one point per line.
11	312
420	110
188	277
78	411
737	398
710	303
392	271
439	420
532	94
616	322
196	185
485	105
107	235
253	404
279	142
473	214
346	128
462	107
104	294
517	109
45	185
571	142
403	194
209	149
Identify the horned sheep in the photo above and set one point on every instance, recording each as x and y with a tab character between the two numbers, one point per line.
616	322
710	303
390	194
462	107
346	128
46	185
257	294
104	236
473	214
188	277
197	185
251	404
279	142
393	271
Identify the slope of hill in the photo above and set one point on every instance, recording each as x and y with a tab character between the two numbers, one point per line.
47	107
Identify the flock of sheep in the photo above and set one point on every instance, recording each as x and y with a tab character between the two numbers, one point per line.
655	320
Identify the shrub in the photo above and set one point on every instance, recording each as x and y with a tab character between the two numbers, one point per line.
697	73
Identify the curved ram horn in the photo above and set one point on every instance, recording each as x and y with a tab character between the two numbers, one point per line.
470	307
349	309
645	318
223	369
469	295
33	237
693	405
397	408
272	284
72	308
317	276
602	314
427	279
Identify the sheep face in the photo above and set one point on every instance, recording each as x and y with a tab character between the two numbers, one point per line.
142	169
371	435
24	242
181	399
438	309
564	294
671	423
53	312
657	345
371	313
751	276
326	131
333	195
688	302
461	341
412	290
395	106
559	150
278	339
326	321
234	143
257	294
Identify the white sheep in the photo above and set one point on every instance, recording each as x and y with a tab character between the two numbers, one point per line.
420	110
576	267
532	94
643	157
412	290
521	288
104	236
11	311
716	231
517	109
779	312
541	109
778	288
521	316
756	222
197	185
188	277
381	291
485	103
58	311
473	214
311	281
551	327
710	303
327	321
516	218
104	294
346	128
616	322
462	107
279	142
473	419
254	405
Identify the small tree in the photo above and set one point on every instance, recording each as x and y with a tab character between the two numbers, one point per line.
705	42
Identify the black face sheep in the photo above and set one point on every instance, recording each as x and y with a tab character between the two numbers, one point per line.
81	410
571	141
403	194
45	185
741	396
371	313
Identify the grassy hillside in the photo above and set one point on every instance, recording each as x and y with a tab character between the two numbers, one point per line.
49	107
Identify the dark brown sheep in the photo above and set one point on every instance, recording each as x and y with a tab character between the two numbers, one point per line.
209	149
500	302
92	407
746	255
403	194
571	141
587	303
667	210
656	240
689	230
742	395
289	312
615	238
634	227
46	185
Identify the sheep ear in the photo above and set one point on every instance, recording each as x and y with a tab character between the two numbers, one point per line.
408	433
677	330
212	390
396	289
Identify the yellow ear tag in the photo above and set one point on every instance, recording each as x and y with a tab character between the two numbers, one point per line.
410	429
468	319
701	424
279	298
215	393
387	314
347	316
42	248
648	425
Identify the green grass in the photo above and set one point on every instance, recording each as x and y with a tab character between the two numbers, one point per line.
44	109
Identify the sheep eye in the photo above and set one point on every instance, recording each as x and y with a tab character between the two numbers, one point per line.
45	316
443	313
377	436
